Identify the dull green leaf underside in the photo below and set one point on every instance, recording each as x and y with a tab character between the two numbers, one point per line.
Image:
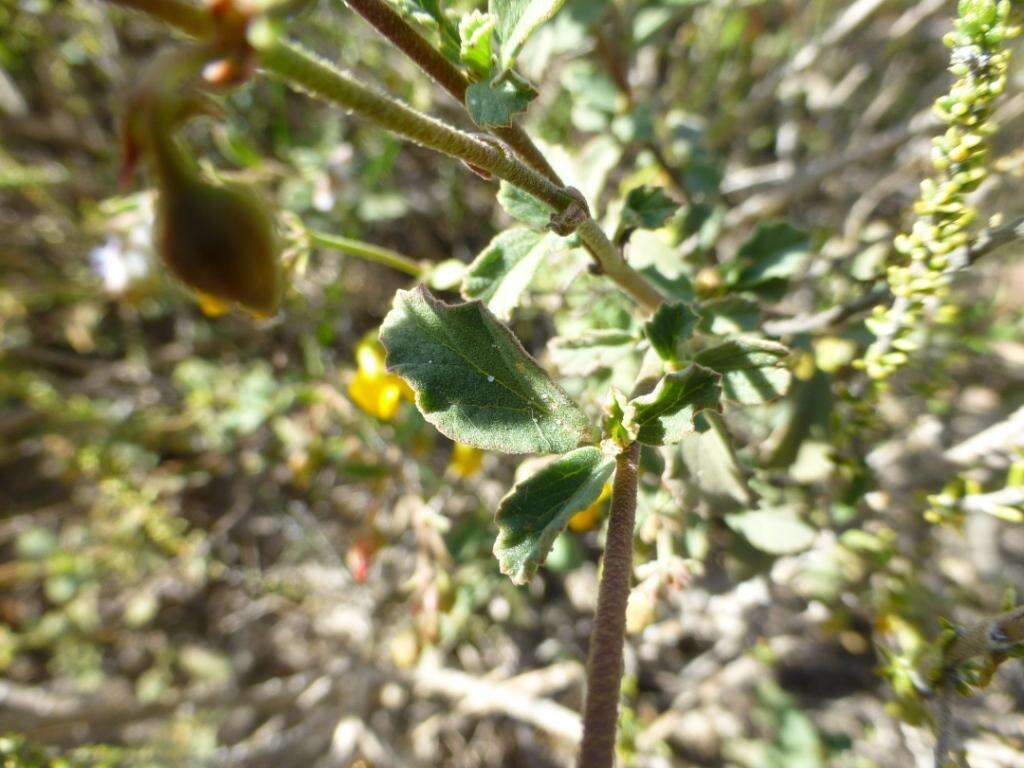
517	20
775	530
493	104
754	371
591	351
524	207
474	381
506	266
665	415
712	468
537	510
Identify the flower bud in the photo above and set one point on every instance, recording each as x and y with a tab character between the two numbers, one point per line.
217	239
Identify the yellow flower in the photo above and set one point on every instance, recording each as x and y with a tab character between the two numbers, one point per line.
372	388
466	460
589	518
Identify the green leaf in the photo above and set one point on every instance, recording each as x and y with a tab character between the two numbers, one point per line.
474	381
475	30
537	510
773	254
665	416
660	262
645	208
775	530
590	352
728	315
710	464
524	207
617	420
753	370
502	271
517	20
670	326
492	104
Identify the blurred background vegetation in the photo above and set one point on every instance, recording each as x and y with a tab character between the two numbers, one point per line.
231	542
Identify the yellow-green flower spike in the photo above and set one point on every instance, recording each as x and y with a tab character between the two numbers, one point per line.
920	275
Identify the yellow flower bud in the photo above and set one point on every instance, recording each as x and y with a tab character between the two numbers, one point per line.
372	388
466	460
589	518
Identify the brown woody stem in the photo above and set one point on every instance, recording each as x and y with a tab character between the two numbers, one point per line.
387	21
604	666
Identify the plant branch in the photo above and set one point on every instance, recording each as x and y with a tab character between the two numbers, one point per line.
604	665
366	251
987	241
390	24
304	69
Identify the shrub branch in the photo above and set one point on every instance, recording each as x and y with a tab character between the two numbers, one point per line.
302	68
387	21
604	665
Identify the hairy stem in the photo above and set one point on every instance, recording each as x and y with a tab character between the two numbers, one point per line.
615	266
304	69
366	251
401	34
604	666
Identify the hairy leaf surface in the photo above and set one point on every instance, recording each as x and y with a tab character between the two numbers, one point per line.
475	382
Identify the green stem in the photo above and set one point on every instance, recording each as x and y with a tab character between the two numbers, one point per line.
616	268
604	665
366	251
304	69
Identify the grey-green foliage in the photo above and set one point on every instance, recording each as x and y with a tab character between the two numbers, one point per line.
504	268
524	207
775	530
537	510
474	381
591	351
517	20
493	103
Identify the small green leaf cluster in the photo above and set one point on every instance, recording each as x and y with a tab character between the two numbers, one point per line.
921	277
485	46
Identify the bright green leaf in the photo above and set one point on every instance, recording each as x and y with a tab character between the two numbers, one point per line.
502	271
618	425
753	370
590	352
775	530
517	20
493	104
665	416
538	509
475	31
474	381
670	326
